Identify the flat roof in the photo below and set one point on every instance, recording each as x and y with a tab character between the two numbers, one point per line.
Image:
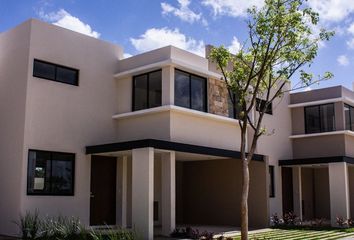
167	145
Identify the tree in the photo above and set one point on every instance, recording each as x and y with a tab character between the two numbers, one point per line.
282	41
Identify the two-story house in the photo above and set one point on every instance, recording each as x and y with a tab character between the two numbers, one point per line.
150	141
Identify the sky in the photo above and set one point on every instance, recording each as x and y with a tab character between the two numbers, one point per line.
142	25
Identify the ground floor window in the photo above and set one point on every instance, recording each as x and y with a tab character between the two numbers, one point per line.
50	173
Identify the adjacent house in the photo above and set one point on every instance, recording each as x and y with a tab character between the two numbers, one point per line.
151	140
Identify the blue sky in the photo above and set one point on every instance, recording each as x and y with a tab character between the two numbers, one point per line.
142	25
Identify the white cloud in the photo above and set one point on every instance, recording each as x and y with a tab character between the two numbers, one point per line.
127	55
332	10
350	31
183	12
235	46
343	60
64	19
159	37
233	8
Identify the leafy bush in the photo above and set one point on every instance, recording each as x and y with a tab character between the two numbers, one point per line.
190	233
276	220
290	219
340	221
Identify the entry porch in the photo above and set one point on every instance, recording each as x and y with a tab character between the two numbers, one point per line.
154	184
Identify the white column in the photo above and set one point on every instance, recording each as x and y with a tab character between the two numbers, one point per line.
339	191
143	192
122	184
168	85
297	191
168	168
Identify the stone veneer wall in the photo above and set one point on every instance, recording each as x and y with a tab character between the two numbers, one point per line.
218	97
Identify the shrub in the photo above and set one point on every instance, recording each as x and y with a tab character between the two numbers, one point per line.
350	222
340	221
190	233
29	225
275	219
290	219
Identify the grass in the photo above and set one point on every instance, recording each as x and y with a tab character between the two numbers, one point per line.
301	234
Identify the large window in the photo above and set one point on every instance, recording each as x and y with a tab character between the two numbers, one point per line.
190	91
55	72
147	90
50	173
349	117
319	118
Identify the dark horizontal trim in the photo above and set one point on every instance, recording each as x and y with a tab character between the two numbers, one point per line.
167	145
319	160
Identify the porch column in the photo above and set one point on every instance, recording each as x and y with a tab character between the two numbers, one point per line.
168	168
339	191
297	192
143	191
122	184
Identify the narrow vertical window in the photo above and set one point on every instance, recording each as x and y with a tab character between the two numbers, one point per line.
271	182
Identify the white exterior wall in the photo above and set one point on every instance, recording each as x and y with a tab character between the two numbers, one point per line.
277	146
14	49
62	117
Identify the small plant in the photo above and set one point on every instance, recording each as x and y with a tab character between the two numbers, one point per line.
318	222
190	233
340	221
29	225
290	219
275	219
350	222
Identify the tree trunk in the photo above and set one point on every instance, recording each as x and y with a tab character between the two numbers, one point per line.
244	199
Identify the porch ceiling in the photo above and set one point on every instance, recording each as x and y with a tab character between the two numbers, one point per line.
167	145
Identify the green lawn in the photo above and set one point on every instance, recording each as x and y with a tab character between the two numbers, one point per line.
282	234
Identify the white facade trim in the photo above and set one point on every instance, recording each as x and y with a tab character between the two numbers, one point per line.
331	100
141	113
347	132
170	62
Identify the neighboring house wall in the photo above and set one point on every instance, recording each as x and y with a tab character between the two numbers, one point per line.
320	146
14	49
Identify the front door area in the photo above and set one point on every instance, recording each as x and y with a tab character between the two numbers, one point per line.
103	190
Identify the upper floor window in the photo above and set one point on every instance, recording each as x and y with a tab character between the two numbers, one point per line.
234	110
50	173
54	72
260	104
147	90
190	91
349	117
319	118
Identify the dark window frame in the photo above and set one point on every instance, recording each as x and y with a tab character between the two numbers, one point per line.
271	169
320	119
147	89
55	72
46	193
269	109
190	89
235	108
351	108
